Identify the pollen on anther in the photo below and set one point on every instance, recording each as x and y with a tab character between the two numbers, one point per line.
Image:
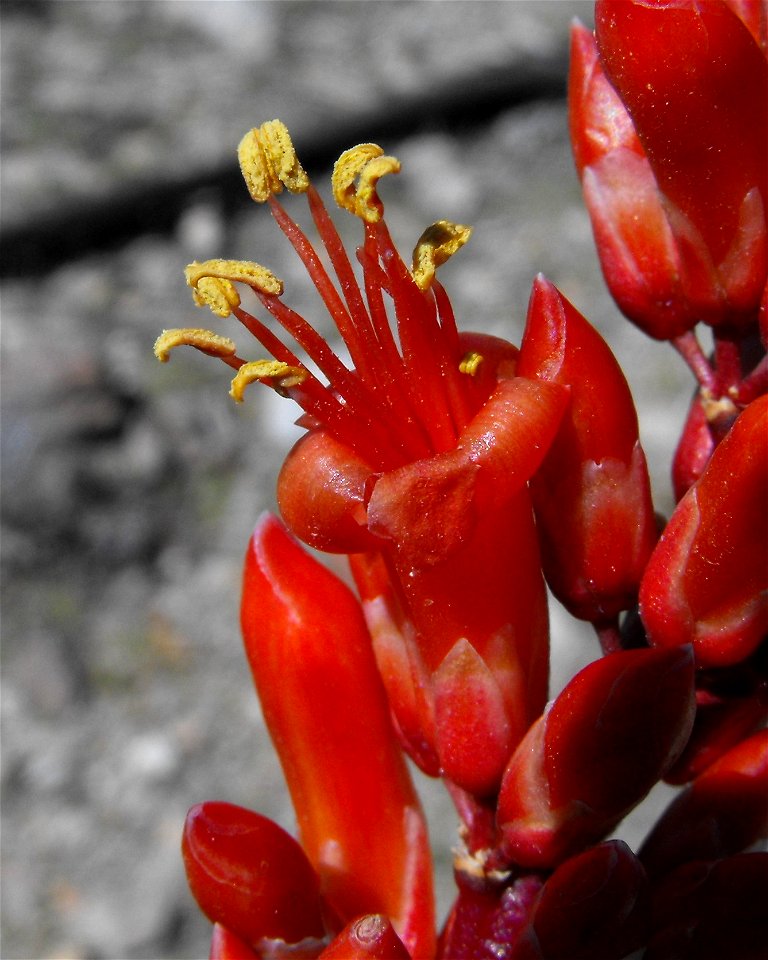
268	162
367	164
220	296
203	340
470	363
235	271
437	244
282	376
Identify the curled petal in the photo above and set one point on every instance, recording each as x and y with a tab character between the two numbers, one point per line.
321	491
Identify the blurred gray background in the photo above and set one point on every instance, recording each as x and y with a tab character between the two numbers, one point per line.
128	488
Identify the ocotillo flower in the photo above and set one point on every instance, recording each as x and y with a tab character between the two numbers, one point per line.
416	459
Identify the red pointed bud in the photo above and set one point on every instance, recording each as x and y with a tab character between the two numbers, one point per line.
359	818
595	906
249	875
592	493
723	812
681	69
226	945
600	747
369	938
707	580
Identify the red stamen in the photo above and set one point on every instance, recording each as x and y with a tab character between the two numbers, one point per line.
420	337
351	332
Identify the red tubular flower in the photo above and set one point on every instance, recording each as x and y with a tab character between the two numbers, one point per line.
249	875
707	580
592	493
723	812
673	158
359	818
417	457
600	747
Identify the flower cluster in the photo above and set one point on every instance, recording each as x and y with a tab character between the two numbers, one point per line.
462	476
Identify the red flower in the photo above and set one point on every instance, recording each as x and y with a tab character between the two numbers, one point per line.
360	822
417	460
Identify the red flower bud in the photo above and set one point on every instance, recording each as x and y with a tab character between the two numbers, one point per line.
707	580
673	160
595	906
370	938
724	811
249	875
359	818
592	493
603	743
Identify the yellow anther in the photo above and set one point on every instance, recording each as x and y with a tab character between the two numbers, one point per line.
365	163
219	295
204	340
268	162
284	375
236	271
470	363
434	247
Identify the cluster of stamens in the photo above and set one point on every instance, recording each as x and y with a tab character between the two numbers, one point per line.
407	394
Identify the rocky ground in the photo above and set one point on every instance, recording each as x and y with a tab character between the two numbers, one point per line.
129	489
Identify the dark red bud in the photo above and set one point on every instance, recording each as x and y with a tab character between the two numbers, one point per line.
595	906
724	811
